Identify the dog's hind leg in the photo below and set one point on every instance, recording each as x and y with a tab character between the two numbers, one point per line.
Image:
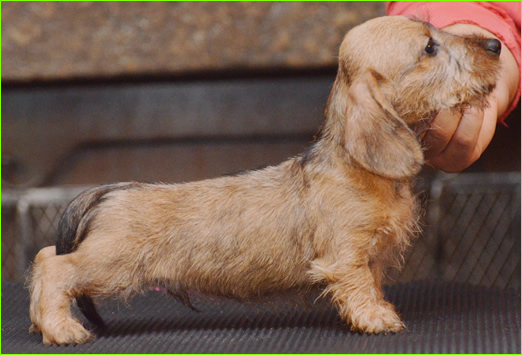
52	291
35	287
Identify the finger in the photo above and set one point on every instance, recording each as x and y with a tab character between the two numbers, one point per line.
440	132
462	149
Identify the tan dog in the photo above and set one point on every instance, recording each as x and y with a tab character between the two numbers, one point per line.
333	216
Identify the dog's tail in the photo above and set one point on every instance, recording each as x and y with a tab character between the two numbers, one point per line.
73	227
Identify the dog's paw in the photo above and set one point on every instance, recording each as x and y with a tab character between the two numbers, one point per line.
68	331
381	318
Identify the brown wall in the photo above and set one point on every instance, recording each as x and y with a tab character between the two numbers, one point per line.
100	92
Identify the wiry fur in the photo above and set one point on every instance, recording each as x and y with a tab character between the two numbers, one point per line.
334	216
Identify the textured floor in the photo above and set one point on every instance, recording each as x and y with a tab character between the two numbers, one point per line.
441	318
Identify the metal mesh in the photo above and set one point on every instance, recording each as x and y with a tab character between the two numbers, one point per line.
476	224
472	230
44	221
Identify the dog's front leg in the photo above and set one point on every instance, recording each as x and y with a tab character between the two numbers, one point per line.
376	268
358	297
361	303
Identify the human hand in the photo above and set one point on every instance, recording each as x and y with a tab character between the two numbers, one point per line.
454	141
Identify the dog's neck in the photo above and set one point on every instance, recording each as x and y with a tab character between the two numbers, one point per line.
328	151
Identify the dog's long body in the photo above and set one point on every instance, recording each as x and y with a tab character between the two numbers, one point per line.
334	216
238	236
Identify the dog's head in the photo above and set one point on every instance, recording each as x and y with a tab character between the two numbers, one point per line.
395	72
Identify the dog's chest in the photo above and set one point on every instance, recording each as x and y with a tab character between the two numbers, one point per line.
395	216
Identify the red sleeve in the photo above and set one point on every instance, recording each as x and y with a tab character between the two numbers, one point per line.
502	18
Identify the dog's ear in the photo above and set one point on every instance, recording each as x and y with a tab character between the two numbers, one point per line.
375	136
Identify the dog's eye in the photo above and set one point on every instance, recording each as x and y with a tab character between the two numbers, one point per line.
431	47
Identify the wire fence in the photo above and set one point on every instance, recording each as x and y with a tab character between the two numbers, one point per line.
471	233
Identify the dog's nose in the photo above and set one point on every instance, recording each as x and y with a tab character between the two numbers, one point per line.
492	45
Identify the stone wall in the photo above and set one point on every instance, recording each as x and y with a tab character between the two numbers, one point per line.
64	40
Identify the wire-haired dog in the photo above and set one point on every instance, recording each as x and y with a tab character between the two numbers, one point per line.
333	216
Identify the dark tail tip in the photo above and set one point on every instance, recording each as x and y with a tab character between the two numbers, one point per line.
86	305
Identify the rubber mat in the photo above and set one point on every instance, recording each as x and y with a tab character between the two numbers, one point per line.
441	318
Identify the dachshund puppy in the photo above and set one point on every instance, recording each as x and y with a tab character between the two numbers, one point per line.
333	216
